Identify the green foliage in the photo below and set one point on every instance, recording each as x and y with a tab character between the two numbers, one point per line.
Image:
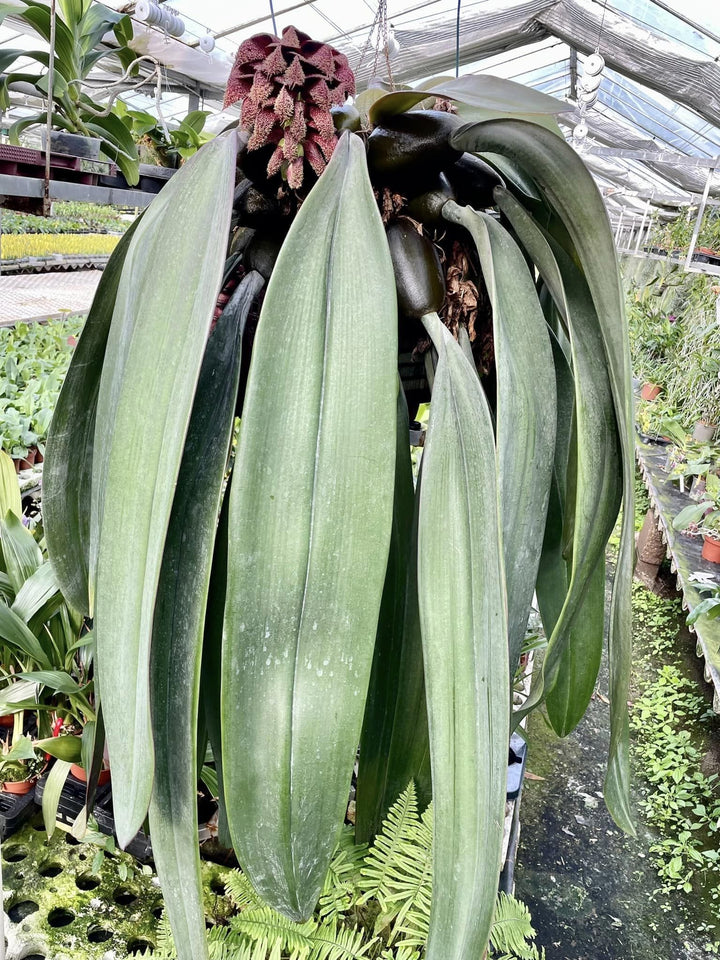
67	217
675	342
681	803
168	145
47	245
79	31
675	235
375	904
34	360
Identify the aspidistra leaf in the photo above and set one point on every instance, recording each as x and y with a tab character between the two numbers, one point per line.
461	589
575	643
179	620
309	530
394	746
162	316
526	410
570	189
67	470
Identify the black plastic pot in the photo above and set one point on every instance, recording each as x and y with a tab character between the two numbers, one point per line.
73	145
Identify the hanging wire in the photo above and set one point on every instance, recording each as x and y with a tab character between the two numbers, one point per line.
272	17
457	40
602	24
378	30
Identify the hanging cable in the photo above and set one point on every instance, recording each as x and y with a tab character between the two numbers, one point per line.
457	41
272	17
602	24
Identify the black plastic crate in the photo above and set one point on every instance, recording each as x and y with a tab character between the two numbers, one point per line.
14	811
72	800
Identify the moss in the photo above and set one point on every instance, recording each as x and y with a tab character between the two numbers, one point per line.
60	908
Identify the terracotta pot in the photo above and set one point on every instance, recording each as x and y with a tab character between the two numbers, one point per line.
650	391
79	773
711	549
38	455
7	722
24	786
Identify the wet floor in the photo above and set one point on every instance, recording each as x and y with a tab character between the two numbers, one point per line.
593	892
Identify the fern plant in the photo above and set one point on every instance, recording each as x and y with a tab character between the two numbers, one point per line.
375	904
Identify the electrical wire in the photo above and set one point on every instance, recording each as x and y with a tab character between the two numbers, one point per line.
602	24
457	41
272	17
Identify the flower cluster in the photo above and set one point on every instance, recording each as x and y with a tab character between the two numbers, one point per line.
286	86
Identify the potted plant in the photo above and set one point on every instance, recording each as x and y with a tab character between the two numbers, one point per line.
314	566
650	391
76	118
168	145
703	519
20	766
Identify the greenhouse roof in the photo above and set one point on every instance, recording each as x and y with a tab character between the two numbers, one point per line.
653	134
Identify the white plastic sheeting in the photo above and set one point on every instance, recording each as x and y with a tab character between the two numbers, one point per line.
659	101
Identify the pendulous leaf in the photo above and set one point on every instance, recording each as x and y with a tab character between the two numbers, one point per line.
309	532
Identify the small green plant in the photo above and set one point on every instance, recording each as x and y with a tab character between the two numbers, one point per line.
680	802
702	517
46	245
80	27
164	144
68	216
34	360
20	761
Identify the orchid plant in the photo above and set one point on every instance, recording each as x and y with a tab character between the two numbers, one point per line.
319	599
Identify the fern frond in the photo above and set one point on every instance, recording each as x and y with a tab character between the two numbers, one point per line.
164	943
241	891
333	942
398	832
401	860
399	953
273	936
512	931
341	884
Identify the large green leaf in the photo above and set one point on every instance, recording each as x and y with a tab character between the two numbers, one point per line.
570	189
310	519
38	598
163	310
394	745
552	581
10	498
118	144
67	470
575	645
179	620
53	788
461	588
15	632
526	410
18	695
21	554
479	98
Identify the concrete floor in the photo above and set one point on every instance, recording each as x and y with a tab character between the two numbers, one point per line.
593	892
37	296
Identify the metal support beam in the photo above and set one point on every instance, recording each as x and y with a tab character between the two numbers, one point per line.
698	221
653	156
